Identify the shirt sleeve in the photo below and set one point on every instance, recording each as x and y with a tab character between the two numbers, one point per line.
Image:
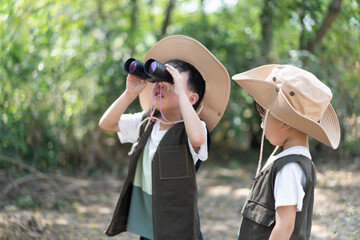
128	125
289	186
203	151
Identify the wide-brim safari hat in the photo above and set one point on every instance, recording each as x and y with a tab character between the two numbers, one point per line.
296	97
217	79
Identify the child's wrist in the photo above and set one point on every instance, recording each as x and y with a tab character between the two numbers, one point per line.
131	95
181	93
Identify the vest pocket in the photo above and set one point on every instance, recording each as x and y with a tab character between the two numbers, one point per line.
259	213
173	162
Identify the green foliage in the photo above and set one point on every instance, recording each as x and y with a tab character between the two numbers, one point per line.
25	202
61	67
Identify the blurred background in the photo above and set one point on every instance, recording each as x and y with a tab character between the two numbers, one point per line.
61	66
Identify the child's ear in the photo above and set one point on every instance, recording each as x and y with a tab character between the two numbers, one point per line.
193	98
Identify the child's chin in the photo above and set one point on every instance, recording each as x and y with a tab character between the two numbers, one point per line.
157	106
157	101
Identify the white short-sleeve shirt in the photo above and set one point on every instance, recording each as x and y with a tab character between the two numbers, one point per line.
290	180
129	123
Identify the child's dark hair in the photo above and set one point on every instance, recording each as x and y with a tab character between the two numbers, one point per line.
196	82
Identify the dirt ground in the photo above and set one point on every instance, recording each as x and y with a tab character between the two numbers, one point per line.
85	210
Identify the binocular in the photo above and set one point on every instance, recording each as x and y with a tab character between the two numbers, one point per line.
151	71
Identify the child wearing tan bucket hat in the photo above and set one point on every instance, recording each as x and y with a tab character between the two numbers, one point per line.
170	140
294	104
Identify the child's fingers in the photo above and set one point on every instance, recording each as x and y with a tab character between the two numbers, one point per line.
173	71
179	81
133	78
135	84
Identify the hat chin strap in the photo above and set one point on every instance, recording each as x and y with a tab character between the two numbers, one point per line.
200	109
152	110
262	144
155	119
163	118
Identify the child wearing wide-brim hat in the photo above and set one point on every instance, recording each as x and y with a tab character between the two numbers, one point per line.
294	104
159	196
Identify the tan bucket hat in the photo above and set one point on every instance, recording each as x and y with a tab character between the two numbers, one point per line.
296	97
217	79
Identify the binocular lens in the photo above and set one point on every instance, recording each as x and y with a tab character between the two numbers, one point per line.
152	67
132	66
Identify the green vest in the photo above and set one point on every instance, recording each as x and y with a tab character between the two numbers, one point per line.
174	188
259	211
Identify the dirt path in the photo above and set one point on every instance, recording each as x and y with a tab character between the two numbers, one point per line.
222	192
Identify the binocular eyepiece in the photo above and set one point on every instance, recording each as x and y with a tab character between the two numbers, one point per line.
151	71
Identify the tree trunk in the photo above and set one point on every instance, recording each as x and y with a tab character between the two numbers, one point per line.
133	20
302	25
333	12
166	23
266	20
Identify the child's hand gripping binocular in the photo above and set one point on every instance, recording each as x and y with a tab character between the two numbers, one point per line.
151	71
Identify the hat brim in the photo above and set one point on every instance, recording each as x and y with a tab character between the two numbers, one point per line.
217	79
269	96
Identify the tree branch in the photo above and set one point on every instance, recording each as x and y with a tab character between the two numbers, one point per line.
266	20
333	12
167	17
27	167
134	13
302	25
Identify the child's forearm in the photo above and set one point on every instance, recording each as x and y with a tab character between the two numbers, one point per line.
109	121
193	125
284	223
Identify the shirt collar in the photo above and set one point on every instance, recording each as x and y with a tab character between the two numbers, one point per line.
299	150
